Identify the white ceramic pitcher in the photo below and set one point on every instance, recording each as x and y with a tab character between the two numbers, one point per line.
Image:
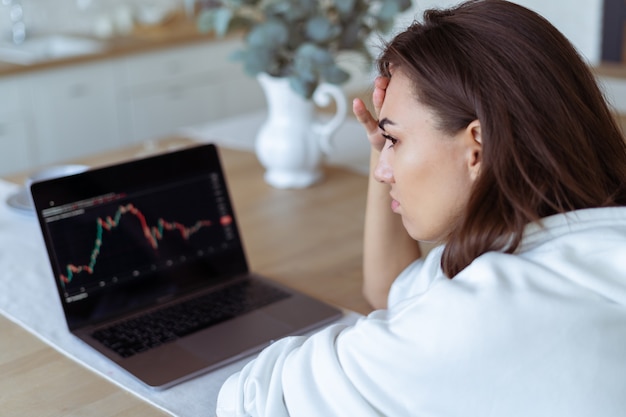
292	142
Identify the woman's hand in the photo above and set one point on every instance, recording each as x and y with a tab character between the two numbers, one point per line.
369	122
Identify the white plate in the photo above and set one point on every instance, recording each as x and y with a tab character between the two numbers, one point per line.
20	201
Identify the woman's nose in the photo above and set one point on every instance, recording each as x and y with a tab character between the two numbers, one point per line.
383	172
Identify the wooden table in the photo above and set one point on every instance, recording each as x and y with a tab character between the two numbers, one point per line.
309	239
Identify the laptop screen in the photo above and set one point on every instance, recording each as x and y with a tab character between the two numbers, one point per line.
139	233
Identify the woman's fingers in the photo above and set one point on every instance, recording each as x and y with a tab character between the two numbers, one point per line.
364	116
378	96
369	123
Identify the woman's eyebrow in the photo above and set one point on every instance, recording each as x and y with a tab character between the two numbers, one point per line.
383	122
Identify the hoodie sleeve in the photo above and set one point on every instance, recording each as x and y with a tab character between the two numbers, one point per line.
340	371
324	374
294	376
257	389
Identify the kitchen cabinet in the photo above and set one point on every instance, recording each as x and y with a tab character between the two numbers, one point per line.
159	112
55	114
16	150
162	92
74	112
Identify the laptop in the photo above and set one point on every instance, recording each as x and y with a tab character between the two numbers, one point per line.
151	271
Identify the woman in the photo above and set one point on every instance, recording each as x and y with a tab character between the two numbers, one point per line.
493	139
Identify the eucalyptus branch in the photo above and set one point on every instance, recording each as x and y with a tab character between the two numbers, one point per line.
300	39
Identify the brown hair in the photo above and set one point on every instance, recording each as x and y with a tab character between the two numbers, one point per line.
550	142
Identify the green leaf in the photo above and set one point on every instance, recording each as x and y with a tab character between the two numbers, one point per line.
304	62
388	10
215	20
256	60
221	21
351	36
300	38
289	10
277	8
335	75
306	7
321	29
304	70
345	7
313	53
303	87
271	33
205	21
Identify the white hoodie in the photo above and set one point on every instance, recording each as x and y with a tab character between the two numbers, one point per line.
541	332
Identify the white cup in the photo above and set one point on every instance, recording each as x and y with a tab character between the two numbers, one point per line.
54	171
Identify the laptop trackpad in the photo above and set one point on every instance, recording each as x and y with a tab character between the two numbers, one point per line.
245	334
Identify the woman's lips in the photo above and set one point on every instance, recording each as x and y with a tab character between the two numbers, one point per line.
395	205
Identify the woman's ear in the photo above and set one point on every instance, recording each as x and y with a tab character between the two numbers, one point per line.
474	148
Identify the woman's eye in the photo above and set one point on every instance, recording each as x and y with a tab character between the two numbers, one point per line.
392	141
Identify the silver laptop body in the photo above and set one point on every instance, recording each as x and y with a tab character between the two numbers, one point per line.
151	270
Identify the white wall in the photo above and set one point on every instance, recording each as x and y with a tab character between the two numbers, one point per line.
579	20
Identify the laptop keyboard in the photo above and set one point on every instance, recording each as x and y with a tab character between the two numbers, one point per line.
162	326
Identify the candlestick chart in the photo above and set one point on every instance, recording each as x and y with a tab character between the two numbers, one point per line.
103	243
153	234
